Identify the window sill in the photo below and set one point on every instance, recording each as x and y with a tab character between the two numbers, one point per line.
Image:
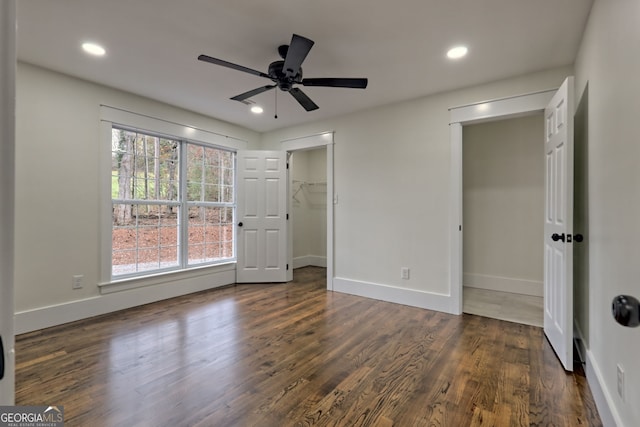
163	278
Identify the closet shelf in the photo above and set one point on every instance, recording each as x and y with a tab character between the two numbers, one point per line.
315	187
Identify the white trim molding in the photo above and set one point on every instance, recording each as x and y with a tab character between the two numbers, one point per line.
503	284
309	260
7	195
404	296
498	109
604	402
171	129
45	317
501	108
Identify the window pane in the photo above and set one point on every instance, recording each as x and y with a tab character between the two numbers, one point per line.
210	234
147	241
143	167
209	174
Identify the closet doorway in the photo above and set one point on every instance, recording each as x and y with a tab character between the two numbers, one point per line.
503	219
308	201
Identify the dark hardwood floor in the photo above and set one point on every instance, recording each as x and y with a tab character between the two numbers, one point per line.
295	354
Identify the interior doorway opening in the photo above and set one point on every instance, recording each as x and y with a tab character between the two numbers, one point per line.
323	188
466	115
308	198
503	217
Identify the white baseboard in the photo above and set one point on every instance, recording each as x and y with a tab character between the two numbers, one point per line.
309	260
503	284
604	402
44	317
410	297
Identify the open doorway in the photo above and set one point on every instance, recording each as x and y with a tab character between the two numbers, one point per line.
323	188
503	209
463	116
308	194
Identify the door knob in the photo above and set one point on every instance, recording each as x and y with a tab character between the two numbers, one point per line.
578	238
240	224
626	310
555	237
1	359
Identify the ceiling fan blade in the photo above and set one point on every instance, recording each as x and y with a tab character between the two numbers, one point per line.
298	51
303	99
253	92
336	82
231	65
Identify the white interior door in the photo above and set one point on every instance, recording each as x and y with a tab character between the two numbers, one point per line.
262	217
558	224
7	180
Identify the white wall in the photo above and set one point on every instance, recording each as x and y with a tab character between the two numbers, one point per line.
392	167
309	208
503	205
57	195
609	65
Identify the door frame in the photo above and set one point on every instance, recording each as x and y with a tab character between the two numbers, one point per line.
8	65
310	142
479	112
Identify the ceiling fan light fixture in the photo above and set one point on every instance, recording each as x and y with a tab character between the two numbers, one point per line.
256	109
457	52
93	49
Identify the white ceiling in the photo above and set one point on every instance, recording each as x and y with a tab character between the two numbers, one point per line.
400	46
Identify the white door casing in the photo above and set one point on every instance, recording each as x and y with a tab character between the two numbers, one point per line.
7	192
558	223
261	223
309	142
497	109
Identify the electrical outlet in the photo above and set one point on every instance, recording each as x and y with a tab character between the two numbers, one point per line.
620	372
76	282
404	273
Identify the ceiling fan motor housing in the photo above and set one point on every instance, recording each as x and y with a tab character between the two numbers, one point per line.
279	77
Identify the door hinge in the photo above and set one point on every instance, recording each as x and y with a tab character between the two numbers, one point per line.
459	228
287	216
287	165
287	267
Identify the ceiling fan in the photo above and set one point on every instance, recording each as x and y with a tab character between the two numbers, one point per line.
288	72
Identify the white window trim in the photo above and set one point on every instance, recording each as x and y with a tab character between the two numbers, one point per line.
109	117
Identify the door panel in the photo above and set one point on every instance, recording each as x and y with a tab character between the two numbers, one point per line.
558	227
262	211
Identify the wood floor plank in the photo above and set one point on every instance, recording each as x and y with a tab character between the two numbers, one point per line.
297	355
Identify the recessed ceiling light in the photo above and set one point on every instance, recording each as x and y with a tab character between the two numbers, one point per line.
256	109
457	52
93	49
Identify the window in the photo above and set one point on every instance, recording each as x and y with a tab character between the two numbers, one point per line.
173	203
